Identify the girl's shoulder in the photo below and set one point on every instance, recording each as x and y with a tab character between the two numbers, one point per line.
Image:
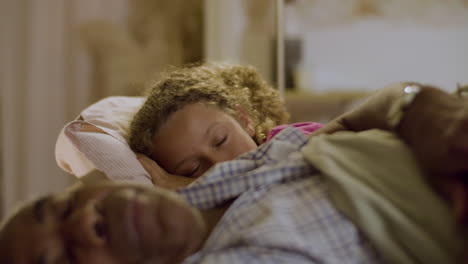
304	127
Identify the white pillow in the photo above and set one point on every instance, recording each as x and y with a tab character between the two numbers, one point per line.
97	140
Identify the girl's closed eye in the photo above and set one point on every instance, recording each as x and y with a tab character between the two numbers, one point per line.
221	141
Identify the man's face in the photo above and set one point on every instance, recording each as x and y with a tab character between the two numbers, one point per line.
107	223
198	136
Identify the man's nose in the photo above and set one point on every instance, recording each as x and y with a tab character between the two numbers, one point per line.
85	227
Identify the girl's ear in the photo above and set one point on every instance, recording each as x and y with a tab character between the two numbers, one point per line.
245	120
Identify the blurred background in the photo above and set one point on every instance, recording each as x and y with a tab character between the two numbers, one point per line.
57	57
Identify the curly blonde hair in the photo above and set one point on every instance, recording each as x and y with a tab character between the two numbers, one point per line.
227	87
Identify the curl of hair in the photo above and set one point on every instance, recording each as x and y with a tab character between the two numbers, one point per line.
227	87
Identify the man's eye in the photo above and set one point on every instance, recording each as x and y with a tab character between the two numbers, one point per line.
221	142
68	207
69	256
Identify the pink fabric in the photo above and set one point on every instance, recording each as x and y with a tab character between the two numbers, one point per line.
304	127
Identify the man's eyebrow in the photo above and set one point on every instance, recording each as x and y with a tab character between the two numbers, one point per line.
39	208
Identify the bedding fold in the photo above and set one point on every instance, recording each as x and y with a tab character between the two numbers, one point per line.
375	181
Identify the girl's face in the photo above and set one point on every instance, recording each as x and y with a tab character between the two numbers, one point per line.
198	136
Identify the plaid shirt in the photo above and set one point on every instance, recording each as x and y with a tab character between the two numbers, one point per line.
281	212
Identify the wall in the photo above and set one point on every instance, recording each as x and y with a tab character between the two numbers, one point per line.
240	32
344	47
371	53
45	81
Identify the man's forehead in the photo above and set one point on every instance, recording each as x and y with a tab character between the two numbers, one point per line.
11	237
22	237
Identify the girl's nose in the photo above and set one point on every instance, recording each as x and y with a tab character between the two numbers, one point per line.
85	227
216	157
224	155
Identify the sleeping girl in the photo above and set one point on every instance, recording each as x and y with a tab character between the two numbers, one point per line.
198	116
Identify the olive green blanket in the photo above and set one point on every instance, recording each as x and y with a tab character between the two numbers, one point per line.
375	181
